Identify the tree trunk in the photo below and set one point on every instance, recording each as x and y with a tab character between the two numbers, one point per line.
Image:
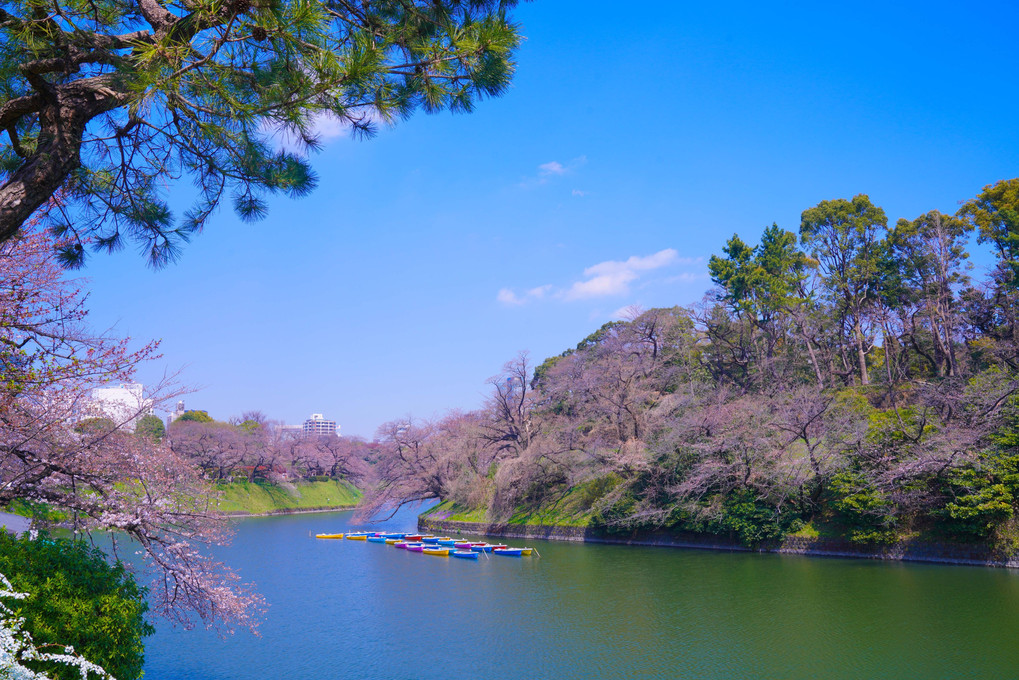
860	353
63	117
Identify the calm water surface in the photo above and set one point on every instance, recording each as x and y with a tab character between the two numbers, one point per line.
348	609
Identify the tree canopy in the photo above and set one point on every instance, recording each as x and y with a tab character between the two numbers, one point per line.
103	101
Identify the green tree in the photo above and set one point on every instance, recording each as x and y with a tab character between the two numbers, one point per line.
765	285
77	599
151	427
195	417
995	212
843	237
106	99
924	262
96	425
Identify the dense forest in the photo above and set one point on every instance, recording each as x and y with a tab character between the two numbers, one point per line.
852	380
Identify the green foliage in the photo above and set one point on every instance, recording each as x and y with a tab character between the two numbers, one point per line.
995	212
94	426
866	512
196	417
249	426
78	599
890	429
978	506
150	427
751	520
202	88
596	489
763	280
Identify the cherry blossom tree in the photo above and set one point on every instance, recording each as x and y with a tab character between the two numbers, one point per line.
102	476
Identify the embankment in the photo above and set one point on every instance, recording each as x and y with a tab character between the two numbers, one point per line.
241	499
914	551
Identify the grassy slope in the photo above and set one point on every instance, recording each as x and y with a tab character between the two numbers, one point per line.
574	509
244	497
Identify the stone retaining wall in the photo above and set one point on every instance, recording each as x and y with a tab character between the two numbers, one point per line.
913	551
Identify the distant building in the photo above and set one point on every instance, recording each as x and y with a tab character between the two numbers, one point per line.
292	430
124	404
178	411
317	425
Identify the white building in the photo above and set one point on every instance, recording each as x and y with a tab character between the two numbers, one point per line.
124	404
177	413
317	425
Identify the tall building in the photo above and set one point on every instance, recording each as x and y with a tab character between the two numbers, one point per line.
177	413
317	425
124	404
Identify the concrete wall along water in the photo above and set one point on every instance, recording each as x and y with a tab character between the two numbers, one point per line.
912	551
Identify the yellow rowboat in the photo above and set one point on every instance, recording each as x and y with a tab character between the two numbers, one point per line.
357	537
526	551
391	541
442	552
328	535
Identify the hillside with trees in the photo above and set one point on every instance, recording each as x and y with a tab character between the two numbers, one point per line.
851	380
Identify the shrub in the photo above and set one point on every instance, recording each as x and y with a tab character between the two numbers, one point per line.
78	599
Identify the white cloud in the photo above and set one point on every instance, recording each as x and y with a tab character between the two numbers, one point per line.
578	192
508	297
614	278
550	170
605	279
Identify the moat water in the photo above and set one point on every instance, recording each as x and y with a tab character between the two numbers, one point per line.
349	609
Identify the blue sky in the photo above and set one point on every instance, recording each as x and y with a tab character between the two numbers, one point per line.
632	144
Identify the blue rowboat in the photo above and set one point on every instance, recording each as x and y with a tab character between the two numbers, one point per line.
508	552
448	541
481	547
377	539
434	539
466	554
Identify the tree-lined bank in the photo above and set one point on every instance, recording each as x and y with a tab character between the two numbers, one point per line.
850	383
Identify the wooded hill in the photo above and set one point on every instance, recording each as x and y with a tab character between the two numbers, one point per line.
850	381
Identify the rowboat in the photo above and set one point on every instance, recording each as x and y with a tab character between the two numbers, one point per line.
448	541
434	540
402	545
481	547
466	545
328	535
526	551
508	552
442	552
466	554
376	539
356	537
414	537
392	541
415	547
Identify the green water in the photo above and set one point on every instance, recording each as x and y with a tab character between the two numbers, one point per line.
346	609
